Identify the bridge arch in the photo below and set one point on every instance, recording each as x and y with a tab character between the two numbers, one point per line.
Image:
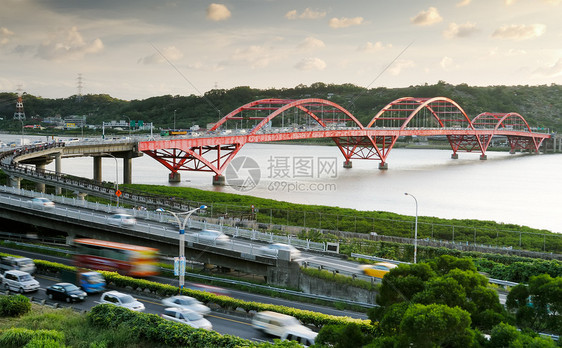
400	113
507	123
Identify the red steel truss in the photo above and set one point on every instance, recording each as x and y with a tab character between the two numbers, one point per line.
406	116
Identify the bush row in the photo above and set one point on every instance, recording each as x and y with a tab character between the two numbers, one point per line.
21	337
14	305
224	302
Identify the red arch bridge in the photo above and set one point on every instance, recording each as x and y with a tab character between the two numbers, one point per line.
270	120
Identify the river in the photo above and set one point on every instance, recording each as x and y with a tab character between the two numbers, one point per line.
517	189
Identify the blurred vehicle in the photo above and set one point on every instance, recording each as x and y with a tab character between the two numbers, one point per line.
24	264
186	302
122	220
128	259
273	323
211	237
187	316
377	270
42	202
122	300
209	288
300	334
65	291
89	281
273	250
19	281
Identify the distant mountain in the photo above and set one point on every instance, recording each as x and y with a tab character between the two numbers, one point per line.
541	106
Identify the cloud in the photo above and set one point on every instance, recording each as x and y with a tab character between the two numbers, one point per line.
308	64
311	43
509	2
344	22
5	35
170	53
218	12
460	30
306	14
399	66
463	3
550	71
67	45
519	32
429	17
373	47
553	2
446	63
255	56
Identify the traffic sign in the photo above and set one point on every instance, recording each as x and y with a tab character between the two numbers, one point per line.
118	193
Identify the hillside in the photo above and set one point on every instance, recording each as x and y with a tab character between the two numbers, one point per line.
539	105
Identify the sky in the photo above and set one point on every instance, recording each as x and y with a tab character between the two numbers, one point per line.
136	49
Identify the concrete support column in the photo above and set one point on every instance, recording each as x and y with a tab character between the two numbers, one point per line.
58	190
455	156
347	164
39	186
15	182
383	166
174	177
127	169
219	180
483	157
97	169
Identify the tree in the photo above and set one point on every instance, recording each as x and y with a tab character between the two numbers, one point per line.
342	336
538	305
436	326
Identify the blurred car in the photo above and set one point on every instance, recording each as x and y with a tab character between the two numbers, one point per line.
377	270
122	300
187	316
19	281
65	291
122	220
273	250
211	236
42	202
186	302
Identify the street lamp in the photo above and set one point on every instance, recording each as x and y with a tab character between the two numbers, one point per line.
116	176
415	228
174	119
181	226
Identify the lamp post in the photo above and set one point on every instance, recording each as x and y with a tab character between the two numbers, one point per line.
174	119
181	226
415	228
116	176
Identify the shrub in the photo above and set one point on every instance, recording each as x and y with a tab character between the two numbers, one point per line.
14	305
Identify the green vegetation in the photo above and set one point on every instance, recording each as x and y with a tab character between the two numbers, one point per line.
322	223
538	104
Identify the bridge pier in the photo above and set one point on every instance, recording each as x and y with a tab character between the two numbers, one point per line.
483	157
219	180
174	177
15	182
347	164
455	156
97	169
58	189
40	186
383	166
127	169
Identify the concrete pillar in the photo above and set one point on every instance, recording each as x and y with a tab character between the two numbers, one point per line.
383	166
455	156
174	177
97	169
58	190
127	169
347	164
39	186
483	157
219	180
15	182
80	195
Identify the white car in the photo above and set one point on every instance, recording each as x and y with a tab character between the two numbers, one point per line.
122	220
273	250
187	316
186	302
122	300
42	202
211	237
19	281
